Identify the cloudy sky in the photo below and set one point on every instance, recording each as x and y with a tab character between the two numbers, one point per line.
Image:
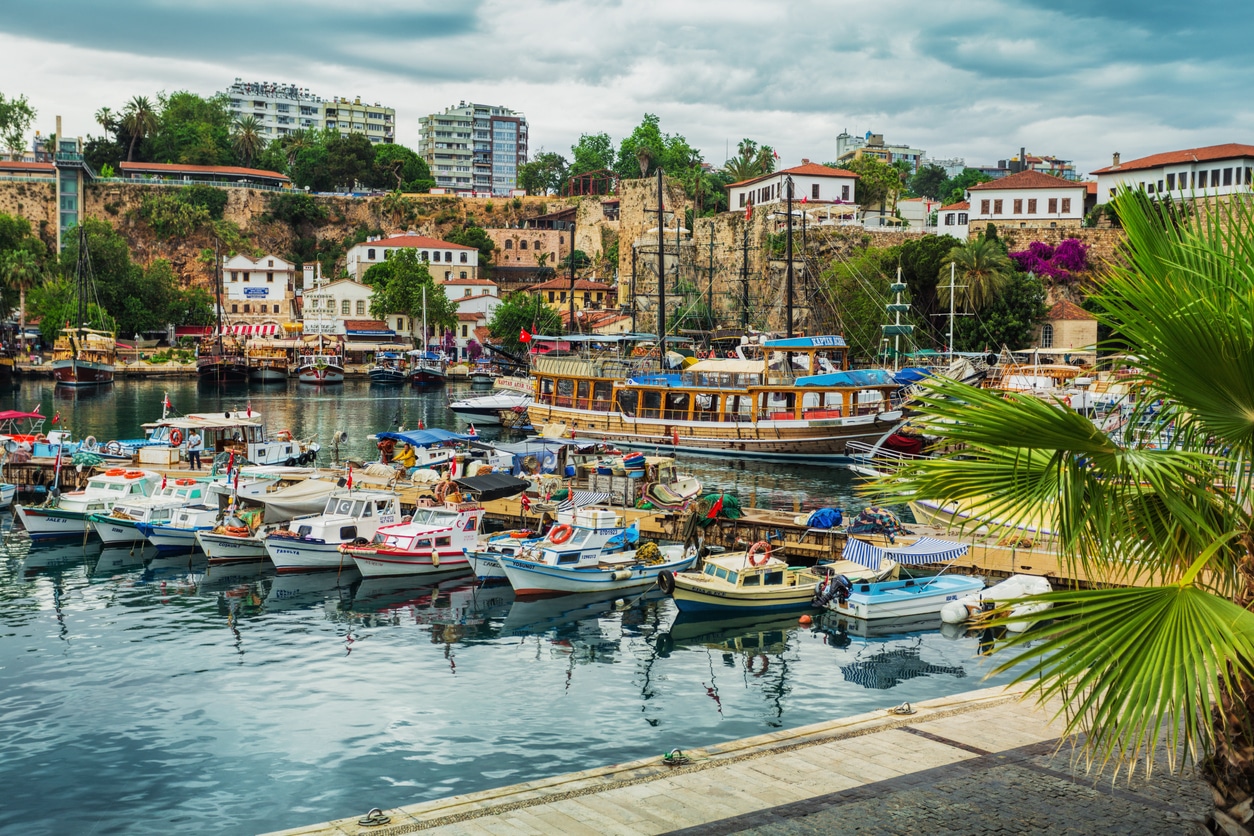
1079	79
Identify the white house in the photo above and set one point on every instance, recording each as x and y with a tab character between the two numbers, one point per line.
445	260
812	183
258	291
329	306
1028	199
1193	172
954	220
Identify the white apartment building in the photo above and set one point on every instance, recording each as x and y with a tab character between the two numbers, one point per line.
1193	172
474	148
281	109
955	220
812	183
257	292
327	307
1028	199
850	147
445	261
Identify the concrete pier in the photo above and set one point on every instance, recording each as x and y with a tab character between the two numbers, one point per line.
982	762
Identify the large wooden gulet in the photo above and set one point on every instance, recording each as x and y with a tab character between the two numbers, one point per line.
799	401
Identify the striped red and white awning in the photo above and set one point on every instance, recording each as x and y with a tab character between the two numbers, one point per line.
267	330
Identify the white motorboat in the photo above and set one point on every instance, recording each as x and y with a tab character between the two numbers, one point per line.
485	410
241	536
313	542
483	558
1012	589
178	534
434	540
899	598
594	554
121	523
67	514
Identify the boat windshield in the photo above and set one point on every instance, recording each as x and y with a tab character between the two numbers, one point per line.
434	517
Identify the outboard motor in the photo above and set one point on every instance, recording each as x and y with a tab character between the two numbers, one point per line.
835	588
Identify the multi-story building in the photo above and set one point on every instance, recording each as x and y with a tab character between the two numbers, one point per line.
812	183
258	291
1046	164
281	109
849	147
474	148
444	260
1028	199
1193	172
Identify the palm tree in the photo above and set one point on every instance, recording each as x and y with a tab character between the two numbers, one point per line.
1176	654
139	121
107	120
246	139
293	143
751	161
397	205
982	270
644	158
21	270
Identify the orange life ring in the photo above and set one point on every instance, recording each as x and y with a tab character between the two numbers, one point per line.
133	474
40	437
117	471
285	435
560	534
762	547
441	490
184	481
176	437
752	667
520	535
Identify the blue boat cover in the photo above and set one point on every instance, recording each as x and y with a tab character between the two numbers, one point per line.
424	438
922	551
853	377
825	518
912	375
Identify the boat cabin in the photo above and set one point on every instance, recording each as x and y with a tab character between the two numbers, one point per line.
452	526
346	513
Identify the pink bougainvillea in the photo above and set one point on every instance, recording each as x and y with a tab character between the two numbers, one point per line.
1058	264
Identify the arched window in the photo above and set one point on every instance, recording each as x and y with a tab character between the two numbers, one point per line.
463	259
536	245
522	245
509	245
1047	336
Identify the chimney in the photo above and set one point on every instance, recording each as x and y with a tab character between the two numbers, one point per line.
805	161
1116	160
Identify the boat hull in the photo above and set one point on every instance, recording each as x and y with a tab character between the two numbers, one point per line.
289	554
901	599
531	578
267	375
82	372
690	599
170	540
224	548
7	492
321	376
390	377
378	564
113	531
43	523
216	369
427	378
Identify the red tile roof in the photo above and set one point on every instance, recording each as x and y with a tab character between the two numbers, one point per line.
1027	180
1210	153
365	325
414	242
473	316
956	207
1091	186
171	168
1063	309
19	165
482	335
806	169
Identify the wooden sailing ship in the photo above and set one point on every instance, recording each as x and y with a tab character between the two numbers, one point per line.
83	356
221	357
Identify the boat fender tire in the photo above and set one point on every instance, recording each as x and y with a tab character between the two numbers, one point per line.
360	541
176	437
560	534
751	664
289	462
666	582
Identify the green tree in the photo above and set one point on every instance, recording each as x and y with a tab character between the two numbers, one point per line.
1009	320
545	174
929	181
518	312
751	160
99	151
855	296
593	152
170	216
647	148
349	160
982	269
246	139
878	183
16	116
191	130
398	167
22	271
55	304
582	262
139	120
921	260
1174	654
398	286
396	205
475	236
955	189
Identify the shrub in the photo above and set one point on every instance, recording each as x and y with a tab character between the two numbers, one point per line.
1059	264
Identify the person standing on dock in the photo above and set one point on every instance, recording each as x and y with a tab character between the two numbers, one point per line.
194	445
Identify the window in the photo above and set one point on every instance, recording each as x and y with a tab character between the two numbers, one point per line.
361	307
1171	182
814	191
370	255
1227	177
270	278
1160	185
997	206
1031	206
522	245
1066	205
270	263
742	200
234	276
248	277
463	275
536	246
962	219
983	207
563	298
448	275
1249	175
949	219
509	245
1201	179
465	331
1053	206
1018	206
426	255
246	308
552	297
346	308
1047	336
844	192
235	309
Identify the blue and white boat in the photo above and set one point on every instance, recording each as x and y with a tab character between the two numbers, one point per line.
899	598
68	514
178	534
121	523
594	554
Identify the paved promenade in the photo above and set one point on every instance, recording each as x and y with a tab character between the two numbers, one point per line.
978	763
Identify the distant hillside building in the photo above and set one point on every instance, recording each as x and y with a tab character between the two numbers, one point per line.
1193	172
1028	199
281	109
849	148
812	183
474	148
445	260
258	291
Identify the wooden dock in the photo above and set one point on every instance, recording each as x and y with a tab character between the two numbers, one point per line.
944	767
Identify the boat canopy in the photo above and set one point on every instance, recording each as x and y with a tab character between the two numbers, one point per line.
307	497
853	377
826	341
424	438
14	415
922	551
493	486
736	366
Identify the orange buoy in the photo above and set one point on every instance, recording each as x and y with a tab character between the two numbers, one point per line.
805	619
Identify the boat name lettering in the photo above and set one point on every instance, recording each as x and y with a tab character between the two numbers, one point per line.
833	341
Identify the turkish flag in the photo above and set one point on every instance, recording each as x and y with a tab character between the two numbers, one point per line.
749	211
524	336
715	508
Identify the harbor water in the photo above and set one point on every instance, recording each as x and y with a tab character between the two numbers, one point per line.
142	695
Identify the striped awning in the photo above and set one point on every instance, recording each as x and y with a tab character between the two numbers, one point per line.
578	499
924	550
267	330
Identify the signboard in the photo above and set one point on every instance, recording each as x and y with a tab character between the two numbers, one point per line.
325	327
256	293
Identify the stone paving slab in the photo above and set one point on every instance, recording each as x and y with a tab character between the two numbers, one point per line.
982	762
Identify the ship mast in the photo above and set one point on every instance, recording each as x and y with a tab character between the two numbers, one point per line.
661	272
217	290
